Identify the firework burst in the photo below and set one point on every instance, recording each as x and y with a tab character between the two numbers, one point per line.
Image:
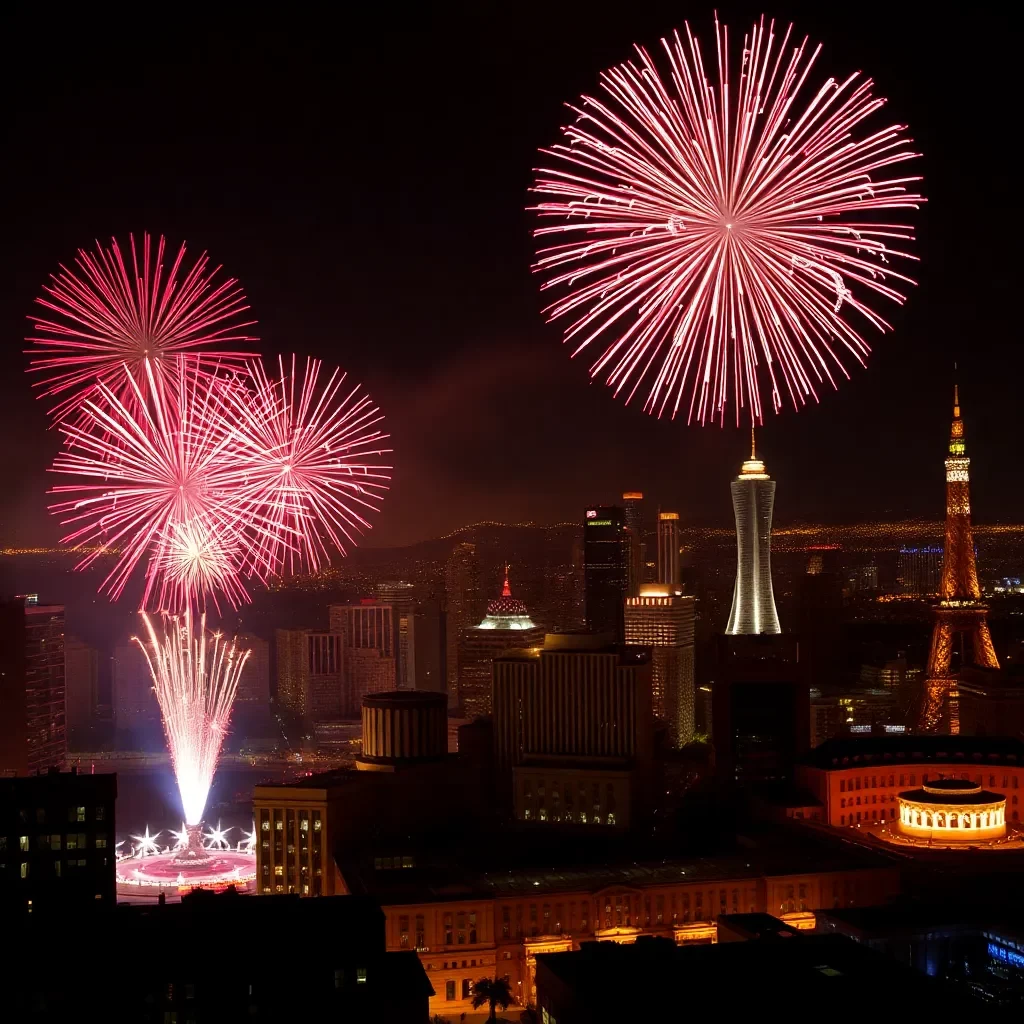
195	675
116	310
709	230
158	493
304	466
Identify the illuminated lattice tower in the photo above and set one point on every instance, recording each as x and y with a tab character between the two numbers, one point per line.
960	610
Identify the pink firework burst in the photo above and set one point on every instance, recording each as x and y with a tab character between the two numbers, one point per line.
304	466
708	230
153	471
115	311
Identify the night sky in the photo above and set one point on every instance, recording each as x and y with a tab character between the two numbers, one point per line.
365	178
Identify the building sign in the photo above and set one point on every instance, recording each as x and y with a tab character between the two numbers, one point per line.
599	522
591	513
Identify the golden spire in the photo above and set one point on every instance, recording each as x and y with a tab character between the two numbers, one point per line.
753	447
956	401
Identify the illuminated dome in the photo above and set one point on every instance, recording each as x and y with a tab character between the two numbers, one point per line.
952	810
506	612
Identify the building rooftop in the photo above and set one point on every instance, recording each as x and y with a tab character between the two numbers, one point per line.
851	752
825	970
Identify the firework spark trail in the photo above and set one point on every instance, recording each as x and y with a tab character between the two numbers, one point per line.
160	463
303	465
716	230
195	675
115	310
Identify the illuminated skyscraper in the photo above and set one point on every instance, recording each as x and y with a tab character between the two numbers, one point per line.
632	503
753	602
33	734
399	595
310	674
919	570
663	620
668	549
606	568
254	683
462	607
506	625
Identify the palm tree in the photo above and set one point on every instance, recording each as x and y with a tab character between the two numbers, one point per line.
493	991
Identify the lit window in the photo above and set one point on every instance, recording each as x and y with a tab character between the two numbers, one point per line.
316	825
279	870
24	869
265	825
360	975
80	814
101	842
279	825
304	824
55	842
23	844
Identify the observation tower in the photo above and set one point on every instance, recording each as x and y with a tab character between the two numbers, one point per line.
753	601
960	610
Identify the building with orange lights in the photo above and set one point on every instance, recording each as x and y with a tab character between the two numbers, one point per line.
952	811
668	549
633	507
663	620
861	781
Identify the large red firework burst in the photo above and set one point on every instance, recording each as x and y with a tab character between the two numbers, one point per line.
711	230
115	311
304	464
152	487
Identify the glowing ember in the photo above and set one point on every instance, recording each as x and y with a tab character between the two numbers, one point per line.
710	232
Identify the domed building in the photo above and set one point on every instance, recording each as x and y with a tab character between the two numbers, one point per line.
952	811
506	626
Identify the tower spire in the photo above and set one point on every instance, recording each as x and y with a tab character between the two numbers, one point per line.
753	445
956	401
506	590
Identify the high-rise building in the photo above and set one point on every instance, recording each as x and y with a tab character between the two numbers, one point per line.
606	568
633	507
668	549
81	681
919	570
57	841
506	625
960	610
761	707
462	607
573	728
370	649
401	596
33	732
254	683
753	601
427	648
311	676
663	620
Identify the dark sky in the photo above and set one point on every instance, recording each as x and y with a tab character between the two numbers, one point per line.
365	178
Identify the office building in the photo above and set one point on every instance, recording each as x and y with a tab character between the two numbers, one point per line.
668	549
427	648
33	732
919	571
57	842
254	683
310	674
400	596
506	625
81	678
842	711
371	663
761	708
633	509
663	620
606	569
573	731
462	608
753	601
